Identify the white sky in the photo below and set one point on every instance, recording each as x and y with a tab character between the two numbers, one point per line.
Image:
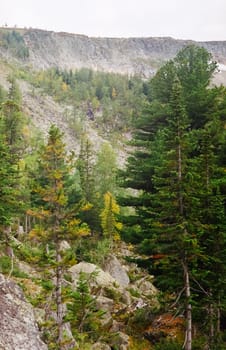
180	19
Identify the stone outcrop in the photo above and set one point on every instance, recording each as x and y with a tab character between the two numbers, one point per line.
19	330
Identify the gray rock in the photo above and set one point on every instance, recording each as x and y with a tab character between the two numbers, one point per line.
104	303
103	279
121	341
100	346
126	297
17	323
129	56
116	270
146	287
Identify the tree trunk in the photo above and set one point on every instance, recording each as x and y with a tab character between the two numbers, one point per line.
188	340
218	320
211	313
59	304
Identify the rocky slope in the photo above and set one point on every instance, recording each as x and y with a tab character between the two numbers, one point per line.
120	291
142	56
19	329
128	56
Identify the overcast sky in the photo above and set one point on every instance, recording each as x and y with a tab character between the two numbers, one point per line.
181	19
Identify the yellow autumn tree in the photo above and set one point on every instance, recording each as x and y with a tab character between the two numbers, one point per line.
111	227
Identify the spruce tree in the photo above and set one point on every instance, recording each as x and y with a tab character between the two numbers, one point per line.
178	203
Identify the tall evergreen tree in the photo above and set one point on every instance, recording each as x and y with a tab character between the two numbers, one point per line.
9	177
170	202
10	140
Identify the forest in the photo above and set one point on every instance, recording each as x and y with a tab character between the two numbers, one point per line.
166	203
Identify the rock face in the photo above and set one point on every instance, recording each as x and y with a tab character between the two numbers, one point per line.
128	56
19	330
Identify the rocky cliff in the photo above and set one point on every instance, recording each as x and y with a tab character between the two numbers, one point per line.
19	329
128	56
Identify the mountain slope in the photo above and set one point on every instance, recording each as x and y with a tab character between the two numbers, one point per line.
39	50
128	56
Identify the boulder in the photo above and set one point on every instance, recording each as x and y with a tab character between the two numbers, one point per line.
102	278
117	271
100	346
146	288
104	303
121	341
17	322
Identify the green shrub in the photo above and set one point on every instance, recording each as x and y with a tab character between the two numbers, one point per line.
167	345
7	267
14	41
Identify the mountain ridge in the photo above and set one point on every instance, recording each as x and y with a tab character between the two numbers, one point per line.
132	56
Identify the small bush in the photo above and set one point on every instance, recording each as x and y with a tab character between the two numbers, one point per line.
167	345
6	267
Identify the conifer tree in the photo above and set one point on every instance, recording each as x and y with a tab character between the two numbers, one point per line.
172	173
57	223
9	176
13	119
10	149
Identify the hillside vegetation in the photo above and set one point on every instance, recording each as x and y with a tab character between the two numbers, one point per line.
66	208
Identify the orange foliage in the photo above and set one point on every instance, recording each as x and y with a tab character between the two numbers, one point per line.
168	325
158	256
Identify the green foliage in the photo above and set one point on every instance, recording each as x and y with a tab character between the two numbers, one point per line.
10	141
168	345
113	293
85	165
139	344
109	100
7	266
179	210
110	225
138	321
14	42
8	174
82	309
105	170
95	249
175	190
